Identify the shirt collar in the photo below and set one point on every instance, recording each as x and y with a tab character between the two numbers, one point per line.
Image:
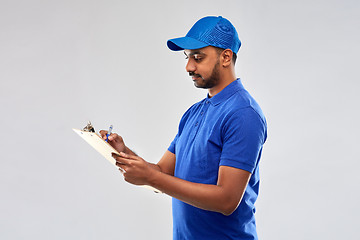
226	93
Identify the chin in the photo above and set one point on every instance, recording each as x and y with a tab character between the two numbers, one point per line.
200	86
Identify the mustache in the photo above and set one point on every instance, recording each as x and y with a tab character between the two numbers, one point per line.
194	74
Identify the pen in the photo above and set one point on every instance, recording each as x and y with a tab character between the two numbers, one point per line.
109	133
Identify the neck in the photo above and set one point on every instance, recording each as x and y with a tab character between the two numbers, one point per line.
226	78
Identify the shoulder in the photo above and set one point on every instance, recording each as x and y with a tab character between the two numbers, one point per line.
243	115
242	105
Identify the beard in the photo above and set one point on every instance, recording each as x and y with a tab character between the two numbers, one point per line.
210	82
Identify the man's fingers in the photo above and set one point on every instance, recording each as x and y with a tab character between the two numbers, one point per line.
118	158
120	164
103	133
113	136
120	161
128	156
123	159
121	167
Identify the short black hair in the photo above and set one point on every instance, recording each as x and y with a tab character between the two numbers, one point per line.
234	58
220	50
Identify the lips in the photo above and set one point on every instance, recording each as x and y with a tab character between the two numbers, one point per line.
194	76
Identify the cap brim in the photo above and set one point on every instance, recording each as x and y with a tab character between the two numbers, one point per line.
182	43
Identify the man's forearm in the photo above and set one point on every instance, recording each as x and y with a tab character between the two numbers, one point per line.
204	196
155	166
223	197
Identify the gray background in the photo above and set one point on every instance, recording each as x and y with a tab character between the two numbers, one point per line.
63	63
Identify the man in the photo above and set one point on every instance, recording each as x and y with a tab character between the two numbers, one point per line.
211	168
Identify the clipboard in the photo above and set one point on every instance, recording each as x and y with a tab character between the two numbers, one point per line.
95	140
101	146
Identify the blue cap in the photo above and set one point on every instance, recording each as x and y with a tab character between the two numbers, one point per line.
208	31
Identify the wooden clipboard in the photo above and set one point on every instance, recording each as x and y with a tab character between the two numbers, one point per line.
104	148
98	144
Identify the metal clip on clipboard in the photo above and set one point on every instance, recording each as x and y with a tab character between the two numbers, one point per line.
89	127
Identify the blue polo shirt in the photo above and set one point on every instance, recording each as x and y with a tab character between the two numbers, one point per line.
228	129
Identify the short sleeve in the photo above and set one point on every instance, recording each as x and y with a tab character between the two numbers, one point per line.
173	144
244	134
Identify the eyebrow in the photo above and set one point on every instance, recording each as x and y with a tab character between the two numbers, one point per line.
193	53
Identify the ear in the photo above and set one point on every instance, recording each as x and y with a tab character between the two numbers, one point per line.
226	56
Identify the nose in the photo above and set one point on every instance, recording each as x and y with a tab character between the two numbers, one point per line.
190	66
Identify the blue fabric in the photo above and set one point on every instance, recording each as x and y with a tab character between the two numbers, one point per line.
228	129
208	31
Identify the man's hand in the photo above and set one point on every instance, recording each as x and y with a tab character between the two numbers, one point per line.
135	169
115	141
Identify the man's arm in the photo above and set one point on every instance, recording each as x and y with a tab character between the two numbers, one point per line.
166	163
224	197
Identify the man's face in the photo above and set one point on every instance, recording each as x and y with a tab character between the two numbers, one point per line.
203	66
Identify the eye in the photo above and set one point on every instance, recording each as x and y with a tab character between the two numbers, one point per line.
197	57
